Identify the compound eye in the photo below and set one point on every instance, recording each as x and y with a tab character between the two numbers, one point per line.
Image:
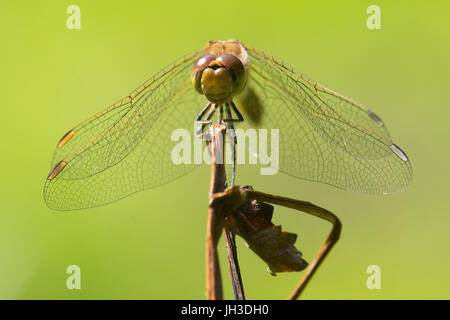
203	62
197	70
231	62
237	71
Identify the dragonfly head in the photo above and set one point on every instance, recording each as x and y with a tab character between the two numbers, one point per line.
218	78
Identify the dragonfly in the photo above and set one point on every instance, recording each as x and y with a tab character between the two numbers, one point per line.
323	136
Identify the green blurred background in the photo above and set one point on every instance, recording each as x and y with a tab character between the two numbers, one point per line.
151	245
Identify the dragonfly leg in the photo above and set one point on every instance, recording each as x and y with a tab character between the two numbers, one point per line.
233	140
236	111
201	114
220	118
207	120
230	127
230	118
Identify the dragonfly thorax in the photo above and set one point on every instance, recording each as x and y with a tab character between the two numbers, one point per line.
218	78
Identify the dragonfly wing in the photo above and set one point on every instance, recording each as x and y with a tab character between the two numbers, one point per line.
127	147
324	136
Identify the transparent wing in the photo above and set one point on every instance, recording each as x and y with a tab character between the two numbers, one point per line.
127	147
324	136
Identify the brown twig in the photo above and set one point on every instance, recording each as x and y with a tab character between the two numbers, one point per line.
216	215
233	264
224	203
309	208
215	222
229	202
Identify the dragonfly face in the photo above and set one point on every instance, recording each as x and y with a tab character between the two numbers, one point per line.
218	78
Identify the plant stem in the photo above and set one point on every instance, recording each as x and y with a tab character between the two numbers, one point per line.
215	221
215	224
233	264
